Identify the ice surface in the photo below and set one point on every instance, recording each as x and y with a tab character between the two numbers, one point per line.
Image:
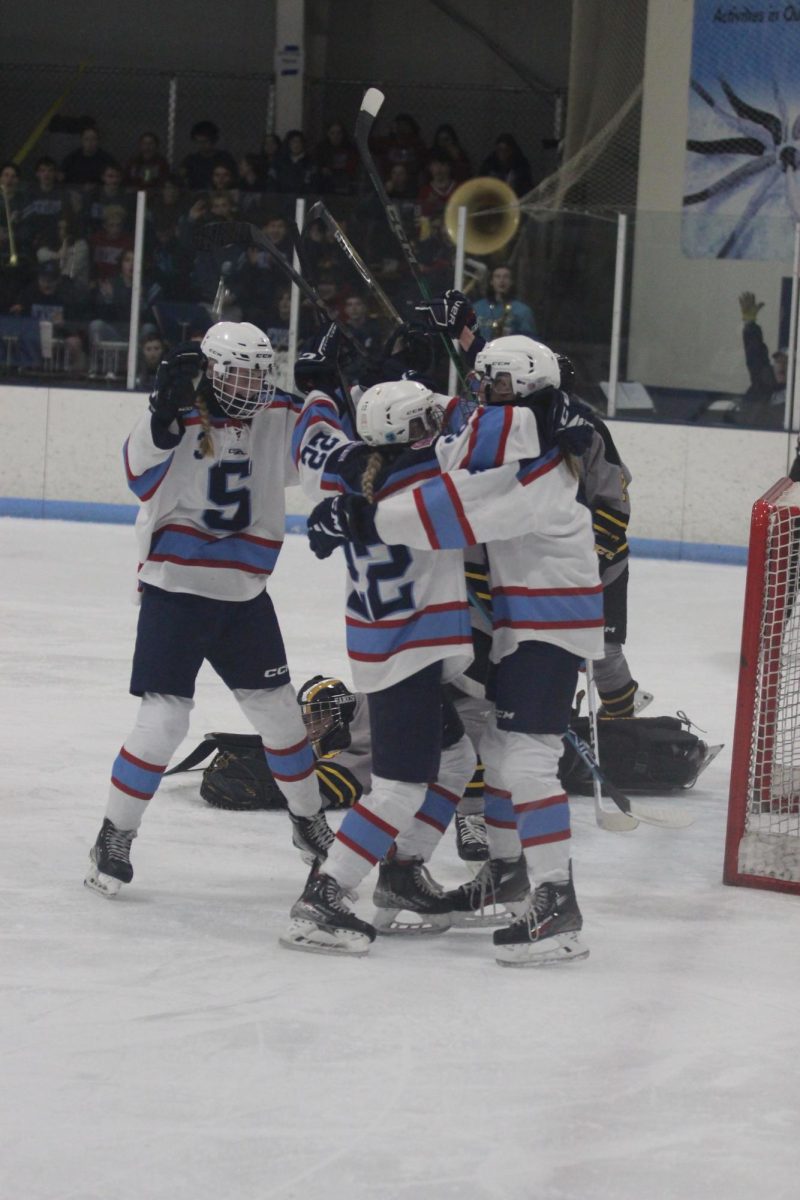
164	1047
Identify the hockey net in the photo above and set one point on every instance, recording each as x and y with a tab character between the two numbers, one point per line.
763	838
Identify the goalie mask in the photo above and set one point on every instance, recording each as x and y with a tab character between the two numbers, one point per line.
328	707
515	367
399	411
241	366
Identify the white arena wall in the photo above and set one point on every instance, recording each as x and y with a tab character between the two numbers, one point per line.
693	486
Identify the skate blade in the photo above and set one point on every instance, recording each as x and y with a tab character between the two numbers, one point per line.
385	921
305	935
491	916
564	947
102	885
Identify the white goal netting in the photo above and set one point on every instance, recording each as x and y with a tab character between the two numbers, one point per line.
770	842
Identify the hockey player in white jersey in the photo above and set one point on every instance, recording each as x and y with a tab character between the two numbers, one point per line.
547	612
408	629
209	463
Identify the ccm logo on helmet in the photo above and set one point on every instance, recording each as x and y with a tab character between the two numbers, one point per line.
284	670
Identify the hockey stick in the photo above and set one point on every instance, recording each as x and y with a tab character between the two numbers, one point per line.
613	820
226	233
318	212
665	818
370	107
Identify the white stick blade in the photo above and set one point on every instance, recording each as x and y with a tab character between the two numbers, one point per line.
372	102
665	818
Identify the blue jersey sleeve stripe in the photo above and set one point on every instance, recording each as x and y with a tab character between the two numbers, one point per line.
145	485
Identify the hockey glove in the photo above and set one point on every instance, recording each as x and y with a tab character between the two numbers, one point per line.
338	520
610	533
749	306
174	392
318	368
338	787
449	314
568	425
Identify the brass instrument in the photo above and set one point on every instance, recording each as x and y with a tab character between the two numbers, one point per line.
492	214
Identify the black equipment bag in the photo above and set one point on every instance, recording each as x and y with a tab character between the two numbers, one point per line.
644	754
238	776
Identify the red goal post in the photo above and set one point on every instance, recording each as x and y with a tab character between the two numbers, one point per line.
762	848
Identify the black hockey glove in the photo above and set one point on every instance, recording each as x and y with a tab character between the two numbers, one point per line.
449	314
610	533
338	520
568	424
174	393
318	368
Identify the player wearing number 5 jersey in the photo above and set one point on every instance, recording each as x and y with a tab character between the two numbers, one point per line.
209	463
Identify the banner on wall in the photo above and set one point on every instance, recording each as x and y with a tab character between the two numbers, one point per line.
741	187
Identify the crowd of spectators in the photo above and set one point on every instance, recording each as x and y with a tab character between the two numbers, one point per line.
67	235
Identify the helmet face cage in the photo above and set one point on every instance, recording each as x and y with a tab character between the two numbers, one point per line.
515	367
242	367
327	708
400	411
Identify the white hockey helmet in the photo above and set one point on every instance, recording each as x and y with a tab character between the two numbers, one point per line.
242	367
401	410
514	367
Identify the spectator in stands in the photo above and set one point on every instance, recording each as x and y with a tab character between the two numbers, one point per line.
272	153
445	144
51	297
337	161
197	167
277	326
222	206
148	168
108	245
296	172
111	304
45	203
85	165
404	145
152	348
69	249
435	254
223	179
434	194
329	291
507	162
500	313
253	174
169	264
764	402
169	203
110	192
254	285
356	317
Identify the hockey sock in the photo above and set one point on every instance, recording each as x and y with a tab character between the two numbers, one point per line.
275	714
456	767
161	725
501	825
612	675
527	763
368	830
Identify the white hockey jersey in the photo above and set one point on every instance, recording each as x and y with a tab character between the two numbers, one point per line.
405	609
213	526
545	583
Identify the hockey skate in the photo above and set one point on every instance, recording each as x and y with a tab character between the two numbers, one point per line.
407	887
471	842
499	892
110	860
321	922
312	836
547	932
